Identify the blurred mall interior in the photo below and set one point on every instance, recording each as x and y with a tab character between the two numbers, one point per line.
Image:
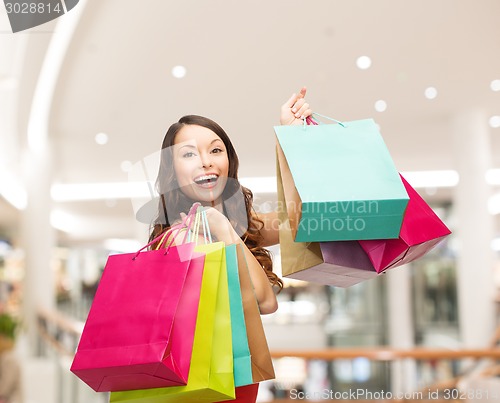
85	101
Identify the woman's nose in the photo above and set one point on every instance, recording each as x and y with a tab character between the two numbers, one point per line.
206	161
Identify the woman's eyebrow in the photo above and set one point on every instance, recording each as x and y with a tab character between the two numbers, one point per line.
190	146
187	145
214	140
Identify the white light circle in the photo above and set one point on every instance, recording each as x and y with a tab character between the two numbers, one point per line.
126	166
101	138
111	203
495	121
430	92
495	85
380	105
431	190
179	71
363	62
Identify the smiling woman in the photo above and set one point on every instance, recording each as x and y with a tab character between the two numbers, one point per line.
199	164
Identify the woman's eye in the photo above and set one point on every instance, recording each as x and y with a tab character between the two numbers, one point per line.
189	154
217	150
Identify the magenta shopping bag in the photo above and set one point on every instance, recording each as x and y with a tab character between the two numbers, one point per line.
140	329
422	230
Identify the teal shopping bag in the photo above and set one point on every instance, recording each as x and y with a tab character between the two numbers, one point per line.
340	182
241	352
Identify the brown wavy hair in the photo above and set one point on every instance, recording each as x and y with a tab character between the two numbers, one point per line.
172	196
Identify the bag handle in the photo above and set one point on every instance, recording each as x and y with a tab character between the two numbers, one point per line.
201	218
204	217
186	223
191	223
166	235
310	120
192	234
197	215
148	245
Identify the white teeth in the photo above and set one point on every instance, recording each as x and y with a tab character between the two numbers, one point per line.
205	178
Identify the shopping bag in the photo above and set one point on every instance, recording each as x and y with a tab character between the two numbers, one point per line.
262	365
340	182
211	375
140	329
329	263
421	231
339	263
245	394
241	352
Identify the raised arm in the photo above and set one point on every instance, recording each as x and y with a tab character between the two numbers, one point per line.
293	112
270	230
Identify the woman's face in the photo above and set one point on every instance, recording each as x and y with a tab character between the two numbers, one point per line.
201	163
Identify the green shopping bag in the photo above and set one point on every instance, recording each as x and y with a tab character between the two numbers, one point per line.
340	182
211	376
241	352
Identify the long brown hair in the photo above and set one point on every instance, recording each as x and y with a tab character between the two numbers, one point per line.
171	196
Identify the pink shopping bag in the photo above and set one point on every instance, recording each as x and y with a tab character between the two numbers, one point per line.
140	329
421	231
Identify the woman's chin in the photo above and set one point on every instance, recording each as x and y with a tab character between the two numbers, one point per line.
206	196
210	194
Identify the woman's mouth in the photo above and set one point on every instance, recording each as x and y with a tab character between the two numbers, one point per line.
206	181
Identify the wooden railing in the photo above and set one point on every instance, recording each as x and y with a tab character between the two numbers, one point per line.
62	334
388	354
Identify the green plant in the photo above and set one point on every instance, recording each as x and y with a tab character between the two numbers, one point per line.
8	325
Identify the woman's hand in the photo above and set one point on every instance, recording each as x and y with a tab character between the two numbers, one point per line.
222	230
295	109
219	225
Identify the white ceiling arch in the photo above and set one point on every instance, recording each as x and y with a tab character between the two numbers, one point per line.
243	59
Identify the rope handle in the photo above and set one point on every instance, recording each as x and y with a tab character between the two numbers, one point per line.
197	216
191	224
310	120
201	219
148	245
186	223
166	235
